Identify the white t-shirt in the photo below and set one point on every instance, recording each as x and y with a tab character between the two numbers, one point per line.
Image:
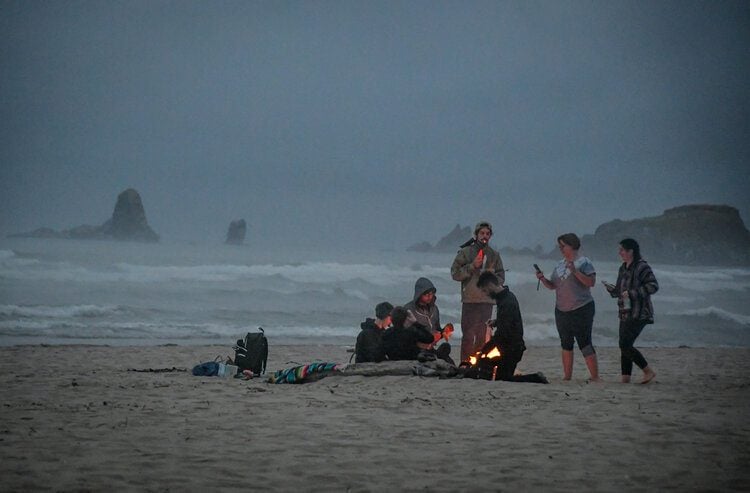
571	293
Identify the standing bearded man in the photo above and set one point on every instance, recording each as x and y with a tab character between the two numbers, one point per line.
476	306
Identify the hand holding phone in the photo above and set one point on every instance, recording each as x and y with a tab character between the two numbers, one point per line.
538	276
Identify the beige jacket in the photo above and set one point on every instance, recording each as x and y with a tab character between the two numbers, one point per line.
463	270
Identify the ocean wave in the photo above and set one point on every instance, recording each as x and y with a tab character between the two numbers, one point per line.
312	272
713	311
65	311
9	259
539	318
709	280
676	299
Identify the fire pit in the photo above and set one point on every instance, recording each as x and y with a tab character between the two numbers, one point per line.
484	364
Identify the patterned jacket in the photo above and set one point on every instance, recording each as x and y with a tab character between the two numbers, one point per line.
640	283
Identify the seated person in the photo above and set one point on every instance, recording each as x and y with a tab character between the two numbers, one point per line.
423	311
402	343
369	348
508	336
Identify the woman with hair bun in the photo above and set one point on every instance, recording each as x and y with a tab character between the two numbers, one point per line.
635	285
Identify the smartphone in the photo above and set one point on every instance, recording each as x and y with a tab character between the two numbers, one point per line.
536	268
608	285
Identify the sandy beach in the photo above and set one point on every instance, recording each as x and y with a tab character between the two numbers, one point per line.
75	418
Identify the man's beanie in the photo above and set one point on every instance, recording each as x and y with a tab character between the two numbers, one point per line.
480	225
382	310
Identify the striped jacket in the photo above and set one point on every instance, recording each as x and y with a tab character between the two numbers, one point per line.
640	283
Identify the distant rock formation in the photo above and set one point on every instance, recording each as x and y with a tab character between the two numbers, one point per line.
128	222
689	235
236	232
448	243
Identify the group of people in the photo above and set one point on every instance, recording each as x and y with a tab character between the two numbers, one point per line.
413	331
408	332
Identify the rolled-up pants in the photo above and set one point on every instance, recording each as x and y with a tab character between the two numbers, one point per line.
474	333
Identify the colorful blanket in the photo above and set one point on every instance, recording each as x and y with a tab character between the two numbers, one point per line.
305	373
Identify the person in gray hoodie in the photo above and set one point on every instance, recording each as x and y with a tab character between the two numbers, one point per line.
422	310
475	257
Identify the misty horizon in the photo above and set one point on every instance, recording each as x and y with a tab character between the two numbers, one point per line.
384	124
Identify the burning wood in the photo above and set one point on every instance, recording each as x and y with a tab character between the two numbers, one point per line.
484	364
491	354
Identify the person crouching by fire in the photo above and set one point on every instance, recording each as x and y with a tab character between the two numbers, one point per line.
508	336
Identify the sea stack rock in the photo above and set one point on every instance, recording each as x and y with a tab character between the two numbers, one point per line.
236	232
453	240
688	235
128	220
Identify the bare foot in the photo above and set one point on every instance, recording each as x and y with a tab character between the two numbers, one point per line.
648	375
626	379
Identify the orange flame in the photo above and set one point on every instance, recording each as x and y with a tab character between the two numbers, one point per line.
493	353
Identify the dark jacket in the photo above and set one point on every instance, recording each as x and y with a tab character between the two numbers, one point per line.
509	332
427	316
400	343
369	348
640	283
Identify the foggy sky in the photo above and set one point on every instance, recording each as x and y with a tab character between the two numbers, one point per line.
371	123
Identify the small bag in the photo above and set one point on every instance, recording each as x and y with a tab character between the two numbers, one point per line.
251	353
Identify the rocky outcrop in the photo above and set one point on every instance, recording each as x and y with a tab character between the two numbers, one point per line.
448	243
128	222
236	232
689	235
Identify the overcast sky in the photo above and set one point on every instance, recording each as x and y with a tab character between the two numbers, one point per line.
379	123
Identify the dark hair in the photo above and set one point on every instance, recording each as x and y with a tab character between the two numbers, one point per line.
382	310
570	239
632	245
481	225
398	316
486	278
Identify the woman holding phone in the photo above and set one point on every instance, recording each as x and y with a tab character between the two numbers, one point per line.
635	285
572	280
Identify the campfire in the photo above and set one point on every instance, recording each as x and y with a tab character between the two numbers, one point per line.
484	363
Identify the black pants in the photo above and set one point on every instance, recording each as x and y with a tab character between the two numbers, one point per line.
507	369
629	332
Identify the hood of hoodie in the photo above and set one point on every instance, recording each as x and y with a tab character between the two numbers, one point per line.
421	287
369	324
